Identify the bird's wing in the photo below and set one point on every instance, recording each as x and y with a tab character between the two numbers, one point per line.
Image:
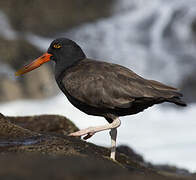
107	85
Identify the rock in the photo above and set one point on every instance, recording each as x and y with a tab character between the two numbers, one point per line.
37	152
163	168
130	152
36	167
45	123
47	17
2	116
43	167
9	131
171	169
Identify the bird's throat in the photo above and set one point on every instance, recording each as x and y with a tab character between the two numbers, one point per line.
62	66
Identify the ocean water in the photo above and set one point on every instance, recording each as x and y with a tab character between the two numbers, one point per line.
154	39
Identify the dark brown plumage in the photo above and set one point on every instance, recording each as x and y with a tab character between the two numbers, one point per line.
102	89
108	90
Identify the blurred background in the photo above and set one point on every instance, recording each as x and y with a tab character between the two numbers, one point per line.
154	38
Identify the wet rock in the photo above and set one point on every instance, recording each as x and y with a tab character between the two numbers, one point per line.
163	168
171	169
9	131
32	144
47	17
59	167
130	152
15	138
45	124
66	167
2	116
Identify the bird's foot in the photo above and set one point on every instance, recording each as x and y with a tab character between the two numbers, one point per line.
89	132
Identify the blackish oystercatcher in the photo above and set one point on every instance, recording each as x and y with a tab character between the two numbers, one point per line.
100	88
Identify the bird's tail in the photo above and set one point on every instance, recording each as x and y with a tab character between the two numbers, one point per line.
169	93
177	101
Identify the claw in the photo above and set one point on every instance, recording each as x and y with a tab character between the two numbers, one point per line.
89	135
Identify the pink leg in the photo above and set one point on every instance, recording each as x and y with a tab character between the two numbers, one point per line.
89	132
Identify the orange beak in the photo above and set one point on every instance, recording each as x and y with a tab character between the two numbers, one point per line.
35	64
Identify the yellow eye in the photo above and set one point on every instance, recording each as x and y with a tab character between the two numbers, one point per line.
57	46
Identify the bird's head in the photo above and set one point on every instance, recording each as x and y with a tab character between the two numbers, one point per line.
62	50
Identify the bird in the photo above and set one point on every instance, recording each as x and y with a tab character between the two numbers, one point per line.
101	88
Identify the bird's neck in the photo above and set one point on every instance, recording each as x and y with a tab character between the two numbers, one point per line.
62	66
